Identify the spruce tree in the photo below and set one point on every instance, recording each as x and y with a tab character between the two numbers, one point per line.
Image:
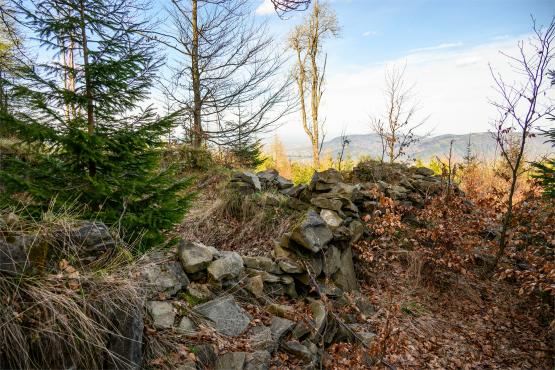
94	142
546	170
248	153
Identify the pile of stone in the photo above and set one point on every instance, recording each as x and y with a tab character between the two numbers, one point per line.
200	274
268	180
410	186
30	253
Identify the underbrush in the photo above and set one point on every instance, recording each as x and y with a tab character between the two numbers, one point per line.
68	311
249	224
430	271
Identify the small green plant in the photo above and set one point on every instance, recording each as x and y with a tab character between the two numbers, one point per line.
190	299
413	309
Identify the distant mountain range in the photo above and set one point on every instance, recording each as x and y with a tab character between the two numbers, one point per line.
482	143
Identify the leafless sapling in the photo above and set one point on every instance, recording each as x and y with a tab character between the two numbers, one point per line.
521	104
397	127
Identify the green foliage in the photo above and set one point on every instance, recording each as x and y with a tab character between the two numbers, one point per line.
301	173
187	158
108	159
546	170
435	165
248	154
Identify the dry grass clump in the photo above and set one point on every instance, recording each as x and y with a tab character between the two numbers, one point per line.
66	314
230	221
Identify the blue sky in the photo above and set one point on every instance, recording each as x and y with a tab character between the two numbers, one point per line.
374	30
447	46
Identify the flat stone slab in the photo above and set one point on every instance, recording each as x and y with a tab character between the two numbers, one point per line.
162	313
312	233
231	361
194	256
165	277
227	316
279	327
227	267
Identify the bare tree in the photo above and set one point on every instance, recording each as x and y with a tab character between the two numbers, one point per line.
520	105
225	59
306	41
449	170
345	141
10	47
290	5
397	127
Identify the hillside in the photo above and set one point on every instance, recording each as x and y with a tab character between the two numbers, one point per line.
483	145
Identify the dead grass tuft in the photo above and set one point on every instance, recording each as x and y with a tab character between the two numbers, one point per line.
248	224
66	314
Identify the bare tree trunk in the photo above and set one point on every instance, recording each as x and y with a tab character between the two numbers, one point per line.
519	108
197	124
3	96
71	76
66	77
315	89
391	148
301	78
514	179
88	85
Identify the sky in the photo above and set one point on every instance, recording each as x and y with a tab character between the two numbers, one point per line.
447	47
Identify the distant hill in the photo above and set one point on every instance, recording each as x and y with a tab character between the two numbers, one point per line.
483	146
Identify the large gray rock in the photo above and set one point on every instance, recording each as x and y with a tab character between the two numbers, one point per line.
162	313
331	218
206	355
320	316
332	260
262	263
226	316
356	228
312	232
345	277
294	191
89	239
271	179
249	178
280	326
346	190
267	177
423	171
15	255
325	180
298	350
290	266
282	183
194	256
231	361
258	360
164	277
327	202
255	285
262	339
227	267
300	331
199	293
186	326
126	342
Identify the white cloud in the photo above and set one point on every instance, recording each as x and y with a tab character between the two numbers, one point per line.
453	87
437	47
369	33
265	8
